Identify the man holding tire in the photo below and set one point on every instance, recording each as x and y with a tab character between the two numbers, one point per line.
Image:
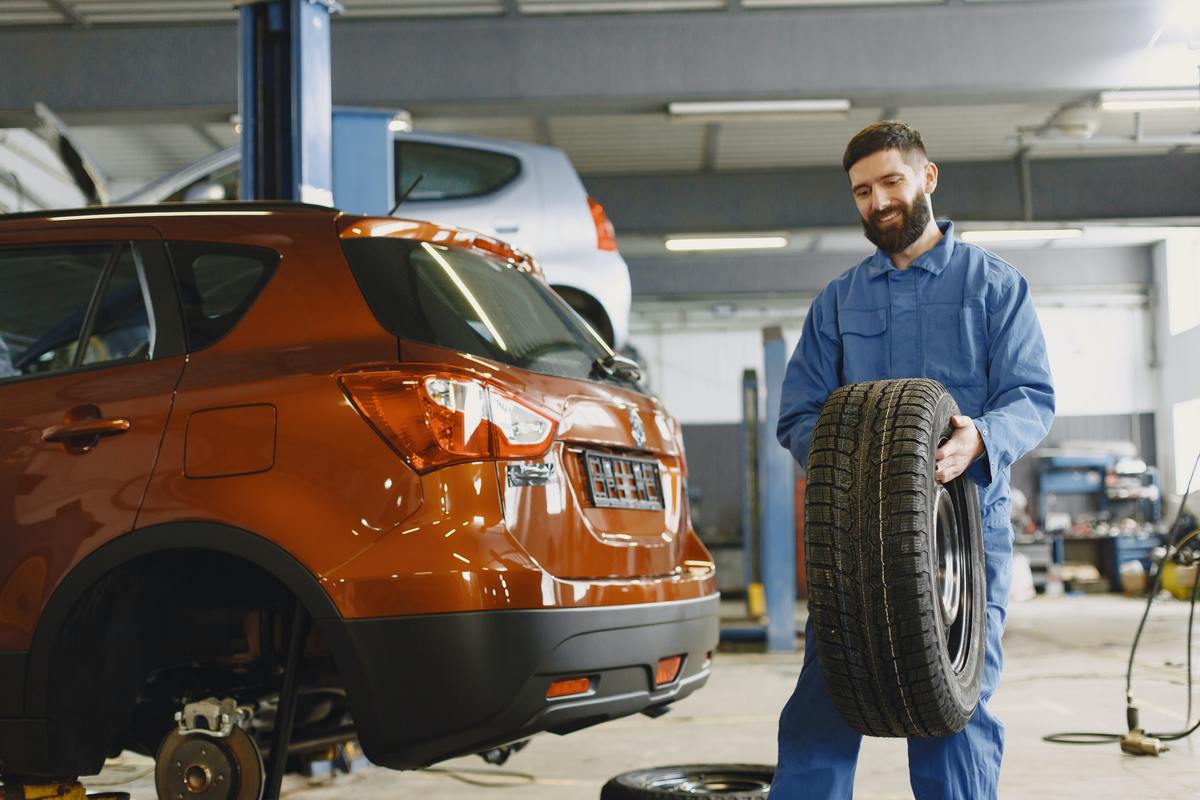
923	306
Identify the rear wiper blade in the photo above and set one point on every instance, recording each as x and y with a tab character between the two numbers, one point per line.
613	365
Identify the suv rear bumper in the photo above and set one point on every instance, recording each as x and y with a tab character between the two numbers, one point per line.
426	688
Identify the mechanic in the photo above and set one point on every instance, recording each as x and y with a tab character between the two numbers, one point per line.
960	315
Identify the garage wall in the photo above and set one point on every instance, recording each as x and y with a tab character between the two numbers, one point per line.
1177	275
1100	340
1100	354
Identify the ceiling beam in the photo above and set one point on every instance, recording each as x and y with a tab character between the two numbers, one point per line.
767	273
975	52
1060	189
212	141
69	12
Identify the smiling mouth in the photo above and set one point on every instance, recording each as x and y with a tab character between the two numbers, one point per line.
888	218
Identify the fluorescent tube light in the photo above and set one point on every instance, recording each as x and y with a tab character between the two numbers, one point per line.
1164	100
1022	235
758	107
690	245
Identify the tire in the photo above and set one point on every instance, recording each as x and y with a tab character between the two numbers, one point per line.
895	562
730	781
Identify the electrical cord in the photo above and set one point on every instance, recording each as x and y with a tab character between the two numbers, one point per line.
1131	712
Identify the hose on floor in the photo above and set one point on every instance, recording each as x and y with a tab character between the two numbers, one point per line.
1131	711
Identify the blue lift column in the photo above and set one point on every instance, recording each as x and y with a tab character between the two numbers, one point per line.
364	174
777	478
286	100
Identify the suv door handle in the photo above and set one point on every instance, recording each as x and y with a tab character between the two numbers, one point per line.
86	429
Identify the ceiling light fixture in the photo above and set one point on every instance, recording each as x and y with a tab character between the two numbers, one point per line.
1022	235
1144	100
699	243
727	107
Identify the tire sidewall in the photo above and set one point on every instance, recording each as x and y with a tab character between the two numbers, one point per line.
637	785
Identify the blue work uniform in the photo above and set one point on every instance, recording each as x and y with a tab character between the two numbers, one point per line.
961	316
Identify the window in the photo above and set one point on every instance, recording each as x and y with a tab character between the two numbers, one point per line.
472	304
217	284
51	298
120	328
451	173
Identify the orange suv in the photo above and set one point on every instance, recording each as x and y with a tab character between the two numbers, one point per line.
373	470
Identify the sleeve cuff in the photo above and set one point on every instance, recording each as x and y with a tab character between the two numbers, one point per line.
980	470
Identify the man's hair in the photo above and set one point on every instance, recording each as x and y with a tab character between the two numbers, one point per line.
886	135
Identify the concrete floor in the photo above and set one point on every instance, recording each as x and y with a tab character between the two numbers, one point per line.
1065	671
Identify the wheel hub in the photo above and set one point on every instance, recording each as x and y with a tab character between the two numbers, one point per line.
199	766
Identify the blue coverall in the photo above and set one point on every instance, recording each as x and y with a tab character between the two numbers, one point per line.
962	316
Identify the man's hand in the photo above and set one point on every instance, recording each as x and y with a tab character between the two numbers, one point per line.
963	447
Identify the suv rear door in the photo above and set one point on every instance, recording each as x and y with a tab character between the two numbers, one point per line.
92	351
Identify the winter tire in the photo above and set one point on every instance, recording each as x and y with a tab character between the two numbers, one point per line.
729	781
895	562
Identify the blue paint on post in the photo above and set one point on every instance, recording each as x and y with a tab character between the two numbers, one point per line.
751	431
364	175
778	527
286	100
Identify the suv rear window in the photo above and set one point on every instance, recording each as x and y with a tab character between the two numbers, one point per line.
473	304
217	283
451	173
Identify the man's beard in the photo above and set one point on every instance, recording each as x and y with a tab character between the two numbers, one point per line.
914	218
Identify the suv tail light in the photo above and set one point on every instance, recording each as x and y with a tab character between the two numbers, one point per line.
606	234
434	419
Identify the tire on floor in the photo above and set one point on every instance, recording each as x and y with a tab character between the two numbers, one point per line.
727	781
895	562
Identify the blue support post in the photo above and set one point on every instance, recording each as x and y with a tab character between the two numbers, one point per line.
364	172
778	526
751	431
286	100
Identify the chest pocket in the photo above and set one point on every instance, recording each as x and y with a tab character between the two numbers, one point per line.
956	344
866	349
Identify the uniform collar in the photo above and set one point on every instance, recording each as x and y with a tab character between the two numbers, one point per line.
932	261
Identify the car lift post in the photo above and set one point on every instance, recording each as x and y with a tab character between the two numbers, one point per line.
285	712
751	541
286	100
778	525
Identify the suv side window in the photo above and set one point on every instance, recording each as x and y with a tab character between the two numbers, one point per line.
120	328
451	173
217	284
54	297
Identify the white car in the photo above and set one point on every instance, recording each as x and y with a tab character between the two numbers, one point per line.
526	194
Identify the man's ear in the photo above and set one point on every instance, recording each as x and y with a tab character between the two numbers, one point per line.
931	176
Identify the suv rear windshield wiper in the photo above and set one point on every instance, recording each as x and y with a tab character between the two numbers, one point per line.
615	366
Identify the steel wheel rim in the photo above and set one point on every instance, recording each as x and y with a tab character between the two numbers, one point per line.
948	554
712	783
952	554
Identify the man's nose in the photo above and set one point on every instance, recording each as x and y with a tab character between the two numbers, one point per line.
880	200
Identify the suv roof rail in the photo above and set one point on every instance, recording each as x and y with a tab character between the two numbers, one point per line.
160	208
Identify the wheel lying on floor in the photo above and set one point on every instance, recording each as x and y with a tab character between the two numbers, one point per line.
895	562
730	781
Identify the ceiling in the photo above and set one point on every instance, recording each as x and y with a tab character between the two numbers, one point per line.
85	13
630	140
605	144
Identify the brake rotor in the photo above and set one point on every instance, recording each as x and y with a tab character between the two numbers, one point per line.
197	766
